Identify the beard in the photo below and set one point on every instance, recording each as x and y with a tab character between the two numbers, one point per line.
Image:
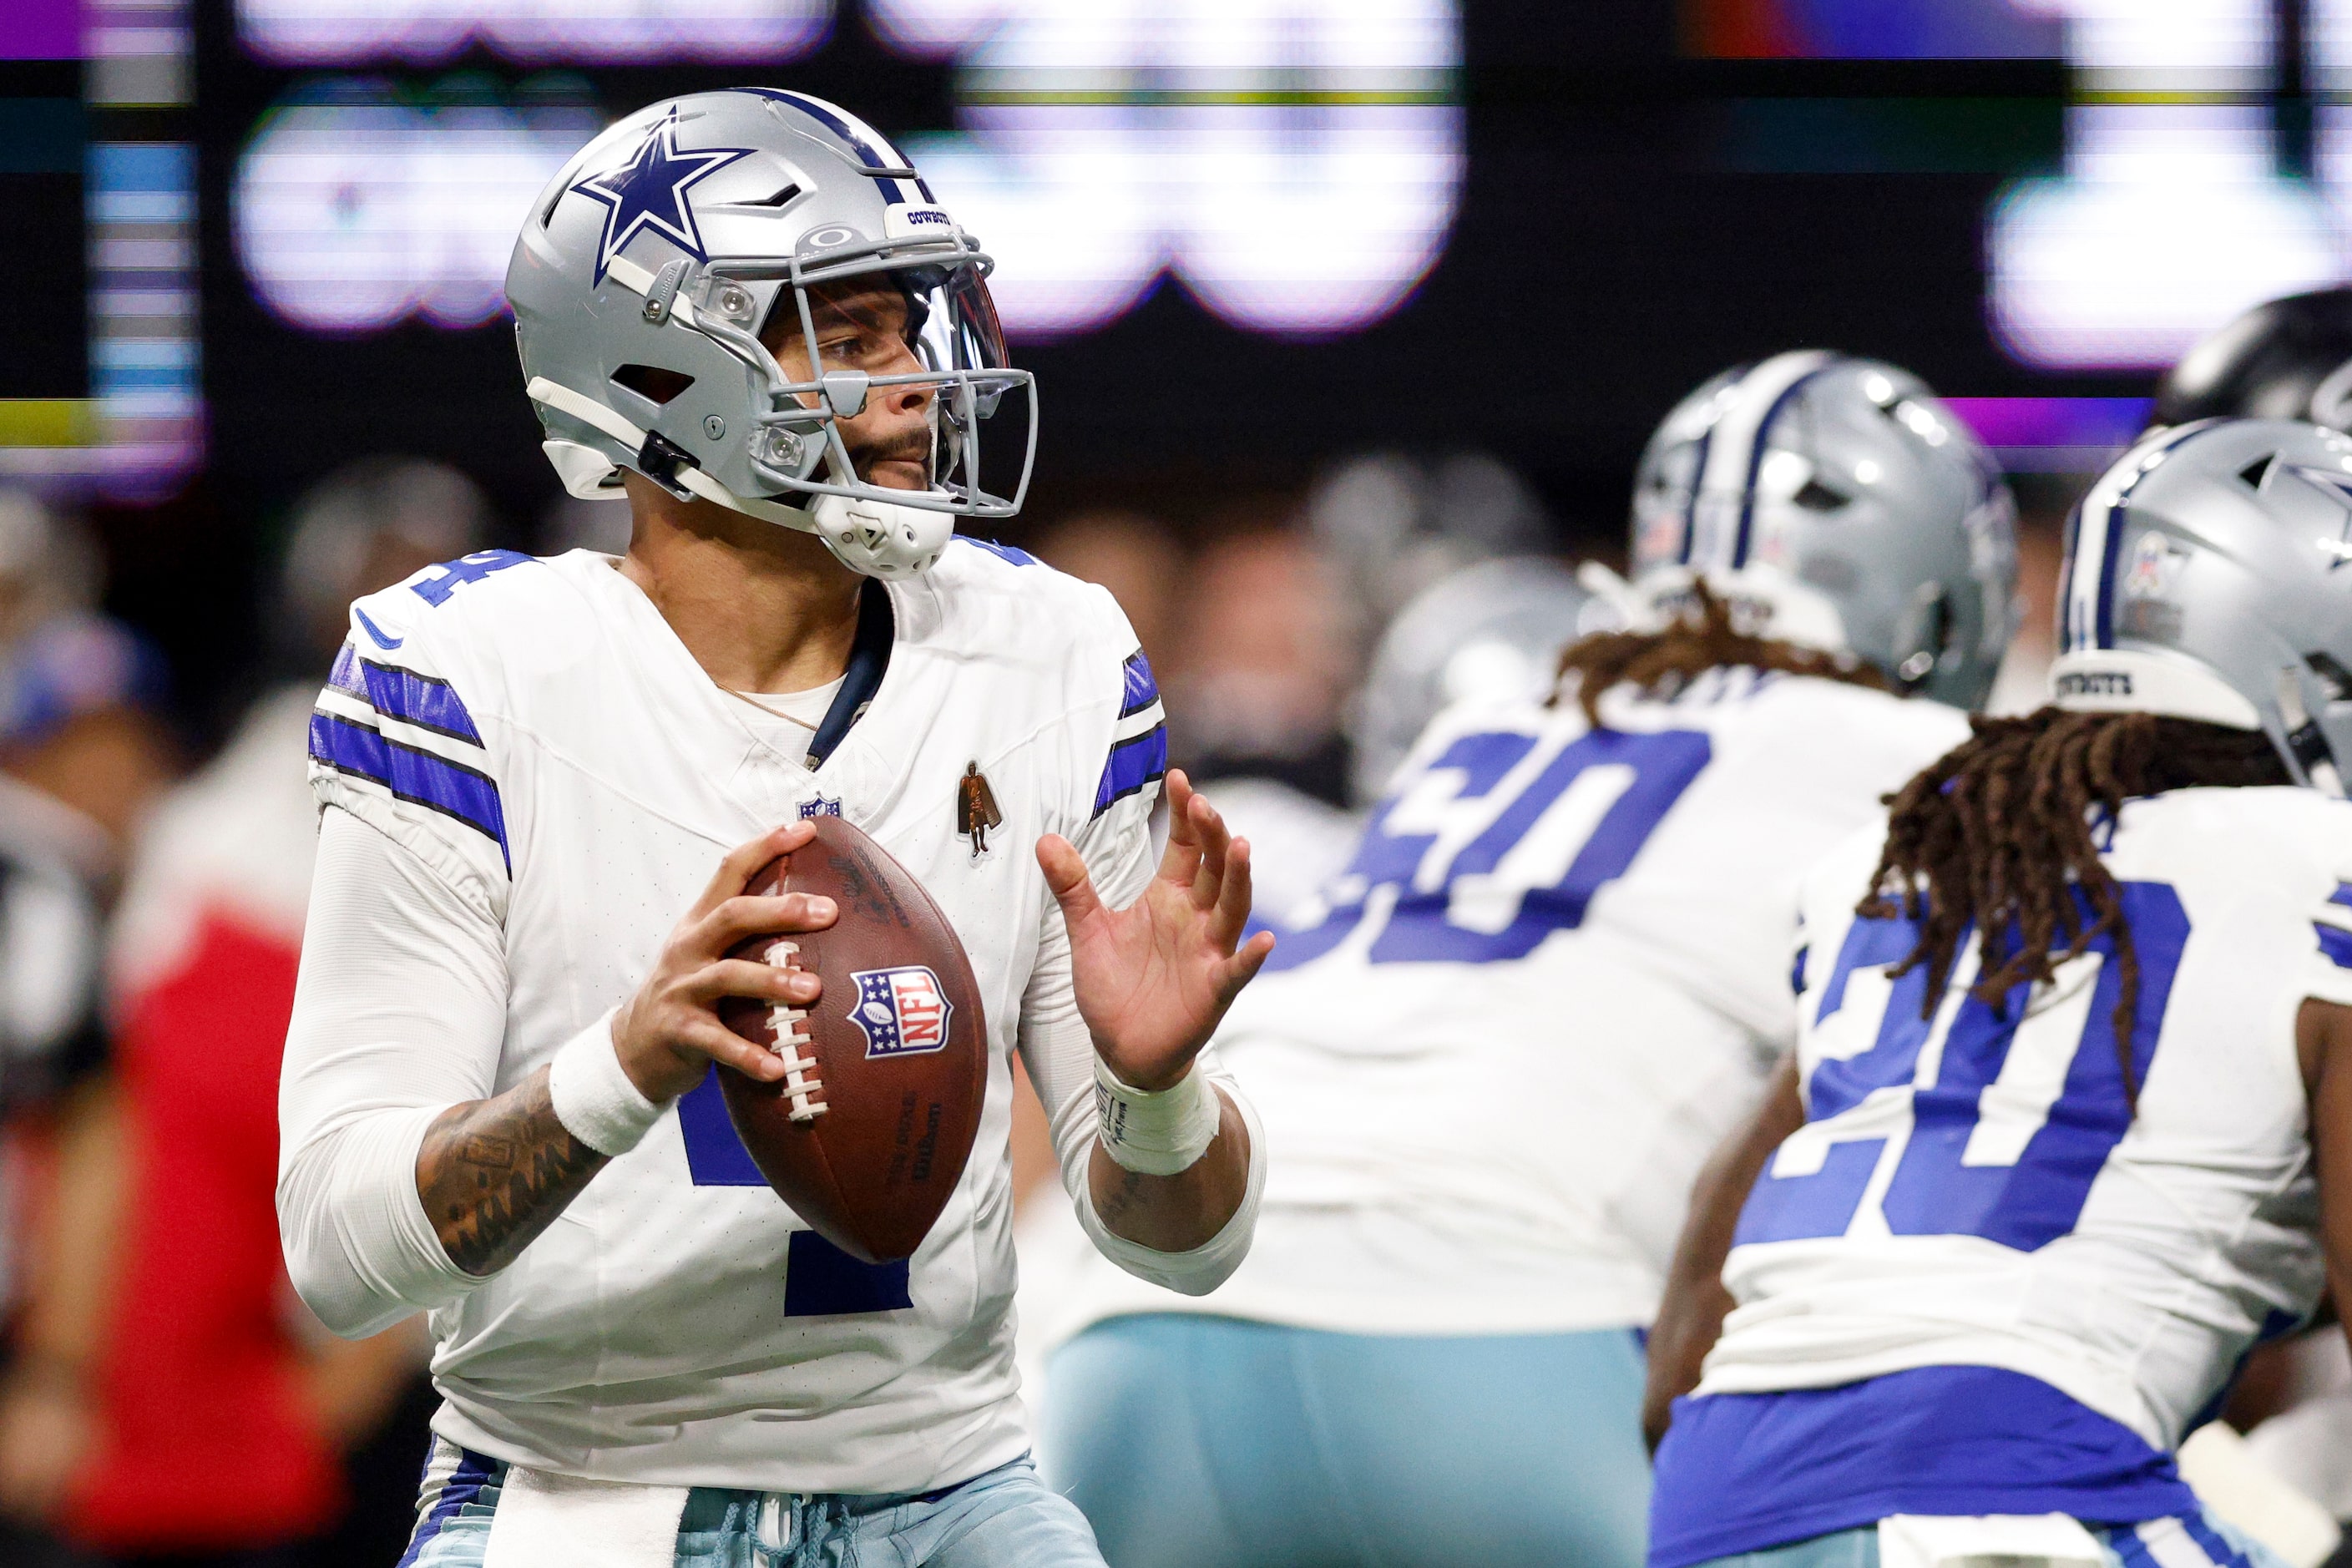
908	446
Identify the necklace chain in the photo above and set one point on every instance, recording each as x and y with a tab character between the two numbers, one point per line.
771	713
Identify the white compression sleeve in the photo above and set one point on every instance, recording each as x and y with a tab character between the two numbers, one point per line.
1060	1054
398	1014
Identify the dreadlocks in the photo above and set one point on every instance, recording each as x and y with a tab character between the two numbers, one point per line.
2002	825
1660	664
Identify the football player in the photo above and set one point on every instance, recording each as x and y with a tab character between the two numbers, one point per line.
1495	1058
544	785
2288	358
2073	1084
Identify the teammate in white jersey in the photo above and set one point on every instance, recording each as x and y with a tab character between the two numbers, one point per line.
1556	971
545	785
2074	1087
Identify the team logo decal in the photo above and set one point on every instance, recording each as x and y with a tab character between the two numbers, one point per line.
902	1011
649	192
2338	487
2154	567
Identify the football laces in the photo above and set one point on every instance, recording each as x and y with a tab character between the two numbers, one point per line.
801	1086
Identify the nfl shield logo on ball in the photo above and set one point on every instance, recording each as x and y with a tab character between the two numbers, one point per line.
902	1011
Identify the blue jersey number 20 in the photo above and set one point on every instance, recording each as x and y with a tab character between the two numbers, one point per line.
1485	854
2010	1120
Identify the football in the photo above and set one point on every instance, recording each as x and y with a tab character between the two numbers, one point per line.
868	1131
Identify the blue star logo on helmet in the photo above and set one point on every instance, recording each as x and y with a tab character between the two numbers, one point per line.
650	191
2338	487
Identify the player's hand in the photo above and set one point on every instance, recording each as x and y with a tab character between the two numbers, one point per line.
1154	978
668	1032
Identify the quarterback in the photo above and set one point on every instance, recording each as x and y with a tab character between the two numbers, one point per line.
2069	1126
545	784
1556	971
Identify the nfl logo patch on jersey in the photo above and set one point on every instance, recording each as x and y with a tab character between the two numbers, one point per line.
819	806
902	1011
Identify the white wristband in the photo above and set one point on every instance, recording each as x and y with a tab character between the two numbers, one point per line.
1156	1133
593	1096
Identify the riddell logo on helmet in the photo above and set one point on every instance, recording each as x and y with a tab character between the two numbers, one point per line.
2095	683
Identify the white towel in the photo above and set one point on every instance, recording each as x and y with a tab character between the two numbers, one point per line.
546	1521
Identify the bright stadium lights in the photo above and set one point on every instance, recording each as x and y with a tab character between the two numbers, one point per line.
1295	164
1310	220
2171	219
583	32
2167	46
352	216
2173	216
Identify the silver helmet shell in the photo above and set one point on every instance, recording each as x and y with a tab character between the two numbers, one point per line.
2209	575
647	269
1491	630
1838	504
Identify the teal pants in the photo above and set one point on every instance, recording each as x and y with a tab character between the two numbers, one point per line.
1202	1442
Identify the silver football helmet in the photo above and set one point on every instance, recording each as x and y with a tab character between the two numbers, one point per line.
2206	578
649	266
1493	629
1835	503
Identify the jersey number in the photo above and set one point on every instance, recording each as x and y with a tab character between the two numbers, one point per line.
2004	1119
1485	852
821	1280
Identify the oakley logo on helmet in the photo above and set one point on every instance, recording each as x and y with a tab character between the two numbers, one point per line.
649	192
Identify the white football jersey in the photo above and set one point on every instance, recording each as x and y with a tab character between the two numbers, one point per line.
1977	1188
1491	1060
534	731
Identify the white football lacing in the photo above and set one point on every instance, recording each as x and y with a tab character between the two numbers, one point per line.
800	1071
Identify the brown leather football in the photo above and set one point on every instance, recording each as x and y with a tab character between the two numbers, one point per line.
868	1133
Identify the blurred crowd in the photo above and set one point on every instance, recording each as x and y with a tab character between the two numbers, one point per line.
167	1398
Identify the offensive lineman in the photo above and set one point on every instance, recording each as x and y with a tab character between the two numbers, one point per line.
2074	1088
743	309
1556	968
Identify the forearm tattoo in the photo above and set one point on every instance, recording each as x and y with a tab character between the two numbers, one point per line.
495	1173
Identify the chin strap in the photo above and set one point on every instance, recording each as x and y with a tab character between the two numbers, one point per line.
2305	738
683	475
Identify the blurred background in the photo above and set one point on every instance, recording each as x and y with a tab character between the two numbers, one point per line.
1326	298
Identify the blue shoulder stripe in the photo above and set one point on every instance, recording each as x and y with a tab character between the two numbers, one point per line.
1142	688
2342	895
412	776
423	700
418	700
2335	943
1133	765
